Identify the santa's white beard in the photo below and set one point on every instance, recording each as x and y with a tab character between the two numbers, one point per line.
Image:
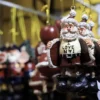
66	35
69	36
85	34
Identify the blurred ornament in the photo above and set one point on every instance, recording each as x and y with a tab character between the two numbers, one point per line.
48	33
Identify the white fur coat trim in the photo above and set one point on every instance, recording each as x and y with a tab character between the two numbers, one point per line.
35	83
98	85
37	91
42	64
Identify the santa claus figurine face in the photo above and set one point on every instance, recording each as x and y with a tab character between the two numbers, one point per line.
83	28
24	56
82	31
13	56
68	31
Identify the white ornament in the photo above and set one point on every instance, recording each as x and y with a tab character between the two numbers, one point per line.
73	13
91	23
85	16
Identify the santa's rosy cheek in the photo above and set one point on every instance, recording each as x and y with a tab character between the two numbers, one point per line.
65	29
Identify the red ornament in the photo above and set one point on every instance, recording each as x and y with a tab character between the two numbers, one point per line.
48	33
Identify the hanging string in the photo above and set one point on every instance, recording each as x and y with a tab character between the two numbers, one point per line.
73	4
44	7
47	9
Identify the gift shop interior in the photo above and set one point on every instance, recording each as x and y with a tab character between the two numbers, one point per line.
61	42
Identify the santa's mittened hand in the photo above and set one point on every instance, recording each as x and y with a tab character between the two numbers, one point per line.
88	42
49	44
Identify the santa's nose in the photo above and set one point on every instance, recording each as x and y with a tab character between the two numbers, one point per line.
68	29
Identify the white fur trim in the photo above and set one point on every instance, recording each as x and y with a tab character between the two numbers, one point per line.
84	24
53	42
67	73
48	53
72	13
49	59
64	18
98	95
91	53
71	20
55	75
98	85
44	86
35	83
44	51
37	91
42	64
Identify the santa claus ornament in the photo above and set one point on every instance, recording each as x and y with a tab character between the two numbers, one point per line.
69	47
84	33
70	50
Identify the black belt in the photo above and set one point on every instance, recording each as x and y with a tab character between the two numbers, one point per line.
69	56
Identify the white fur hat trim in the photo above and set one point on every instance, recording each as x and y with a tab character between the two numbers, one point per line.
71	20
84	24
